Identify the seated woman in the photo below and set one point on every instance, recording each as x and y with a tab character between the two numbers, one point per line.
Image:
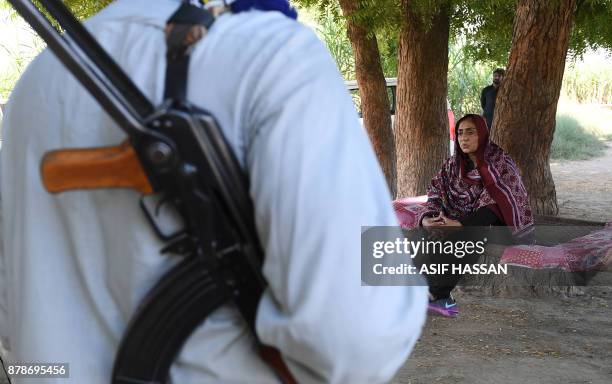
478	186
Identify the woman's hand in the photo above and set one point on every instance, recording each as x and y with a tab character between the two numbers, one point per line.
435	226
434	221
440	221
446	222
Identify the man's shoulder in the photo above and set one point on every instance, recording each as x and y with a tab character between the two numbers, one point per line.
255	43
268	28
487	88
254	26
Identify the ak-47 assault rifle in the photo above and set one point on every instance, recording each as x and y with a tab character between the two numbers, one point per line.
177	152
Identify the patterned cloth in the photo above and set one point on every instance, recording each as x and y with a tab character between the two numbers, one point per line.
496	183
586	253
408	210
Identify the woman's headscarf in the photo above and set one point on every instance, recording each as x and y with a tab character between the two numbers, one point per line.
495	182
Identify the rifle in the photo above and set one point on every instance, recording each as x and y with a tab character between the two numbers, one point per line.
175	155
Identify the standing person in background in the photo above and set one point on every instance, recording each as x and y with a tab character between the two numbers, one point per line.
489	94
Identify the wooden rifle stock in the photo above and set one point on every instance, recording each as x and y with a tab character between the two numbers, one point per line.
92	168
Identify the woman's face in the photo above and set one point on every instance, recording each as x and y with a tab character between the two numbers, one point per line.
467	134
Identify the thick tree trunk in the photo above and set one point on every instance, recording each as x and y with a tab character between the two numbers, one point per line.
526	104
373	91
421	125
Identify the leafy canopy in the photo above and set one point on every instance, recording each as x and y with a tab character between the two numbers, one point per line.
484	27
81	8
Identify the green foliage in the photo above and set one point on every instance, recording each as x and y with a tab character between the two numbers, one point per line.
375	15
585	82
86	8
81	8
595	119
4	5
10	75
592	26
589	81
580	130
573	142
388	46
331	28
18	45
466	79
484	28
487	26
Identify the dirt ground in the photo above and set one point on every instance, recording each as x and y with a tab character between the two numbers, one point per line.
584	188
544	339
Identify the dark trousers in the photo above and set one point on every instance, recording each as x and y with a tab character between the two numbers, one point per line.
441	284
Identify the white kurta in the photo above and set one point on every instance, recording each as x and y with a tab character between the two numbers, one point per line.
74	266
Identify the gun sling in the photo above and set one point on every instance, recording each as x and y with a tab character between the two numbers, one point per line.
177	152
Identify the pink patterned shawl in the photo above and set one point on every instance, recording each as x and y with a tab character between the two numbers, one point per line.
495	183
591	252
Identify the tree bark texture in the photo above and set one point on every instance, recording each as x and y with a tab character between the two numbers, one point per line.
421	125
526	106
375	105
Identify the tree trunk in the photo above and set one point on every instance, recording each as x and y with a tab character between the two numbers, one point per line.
526	104
375	105
421	125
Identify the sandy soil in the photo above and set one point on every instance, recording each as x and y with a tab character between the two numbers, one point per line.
517	340
524	340
584	188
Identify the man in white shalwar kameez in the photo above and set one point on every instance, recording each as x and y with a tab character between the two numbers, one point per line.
74	266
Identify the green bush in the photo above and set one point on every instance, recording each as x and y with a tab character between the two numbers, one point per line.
589	81
595	119
466	79
573	142
18	45
331	29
